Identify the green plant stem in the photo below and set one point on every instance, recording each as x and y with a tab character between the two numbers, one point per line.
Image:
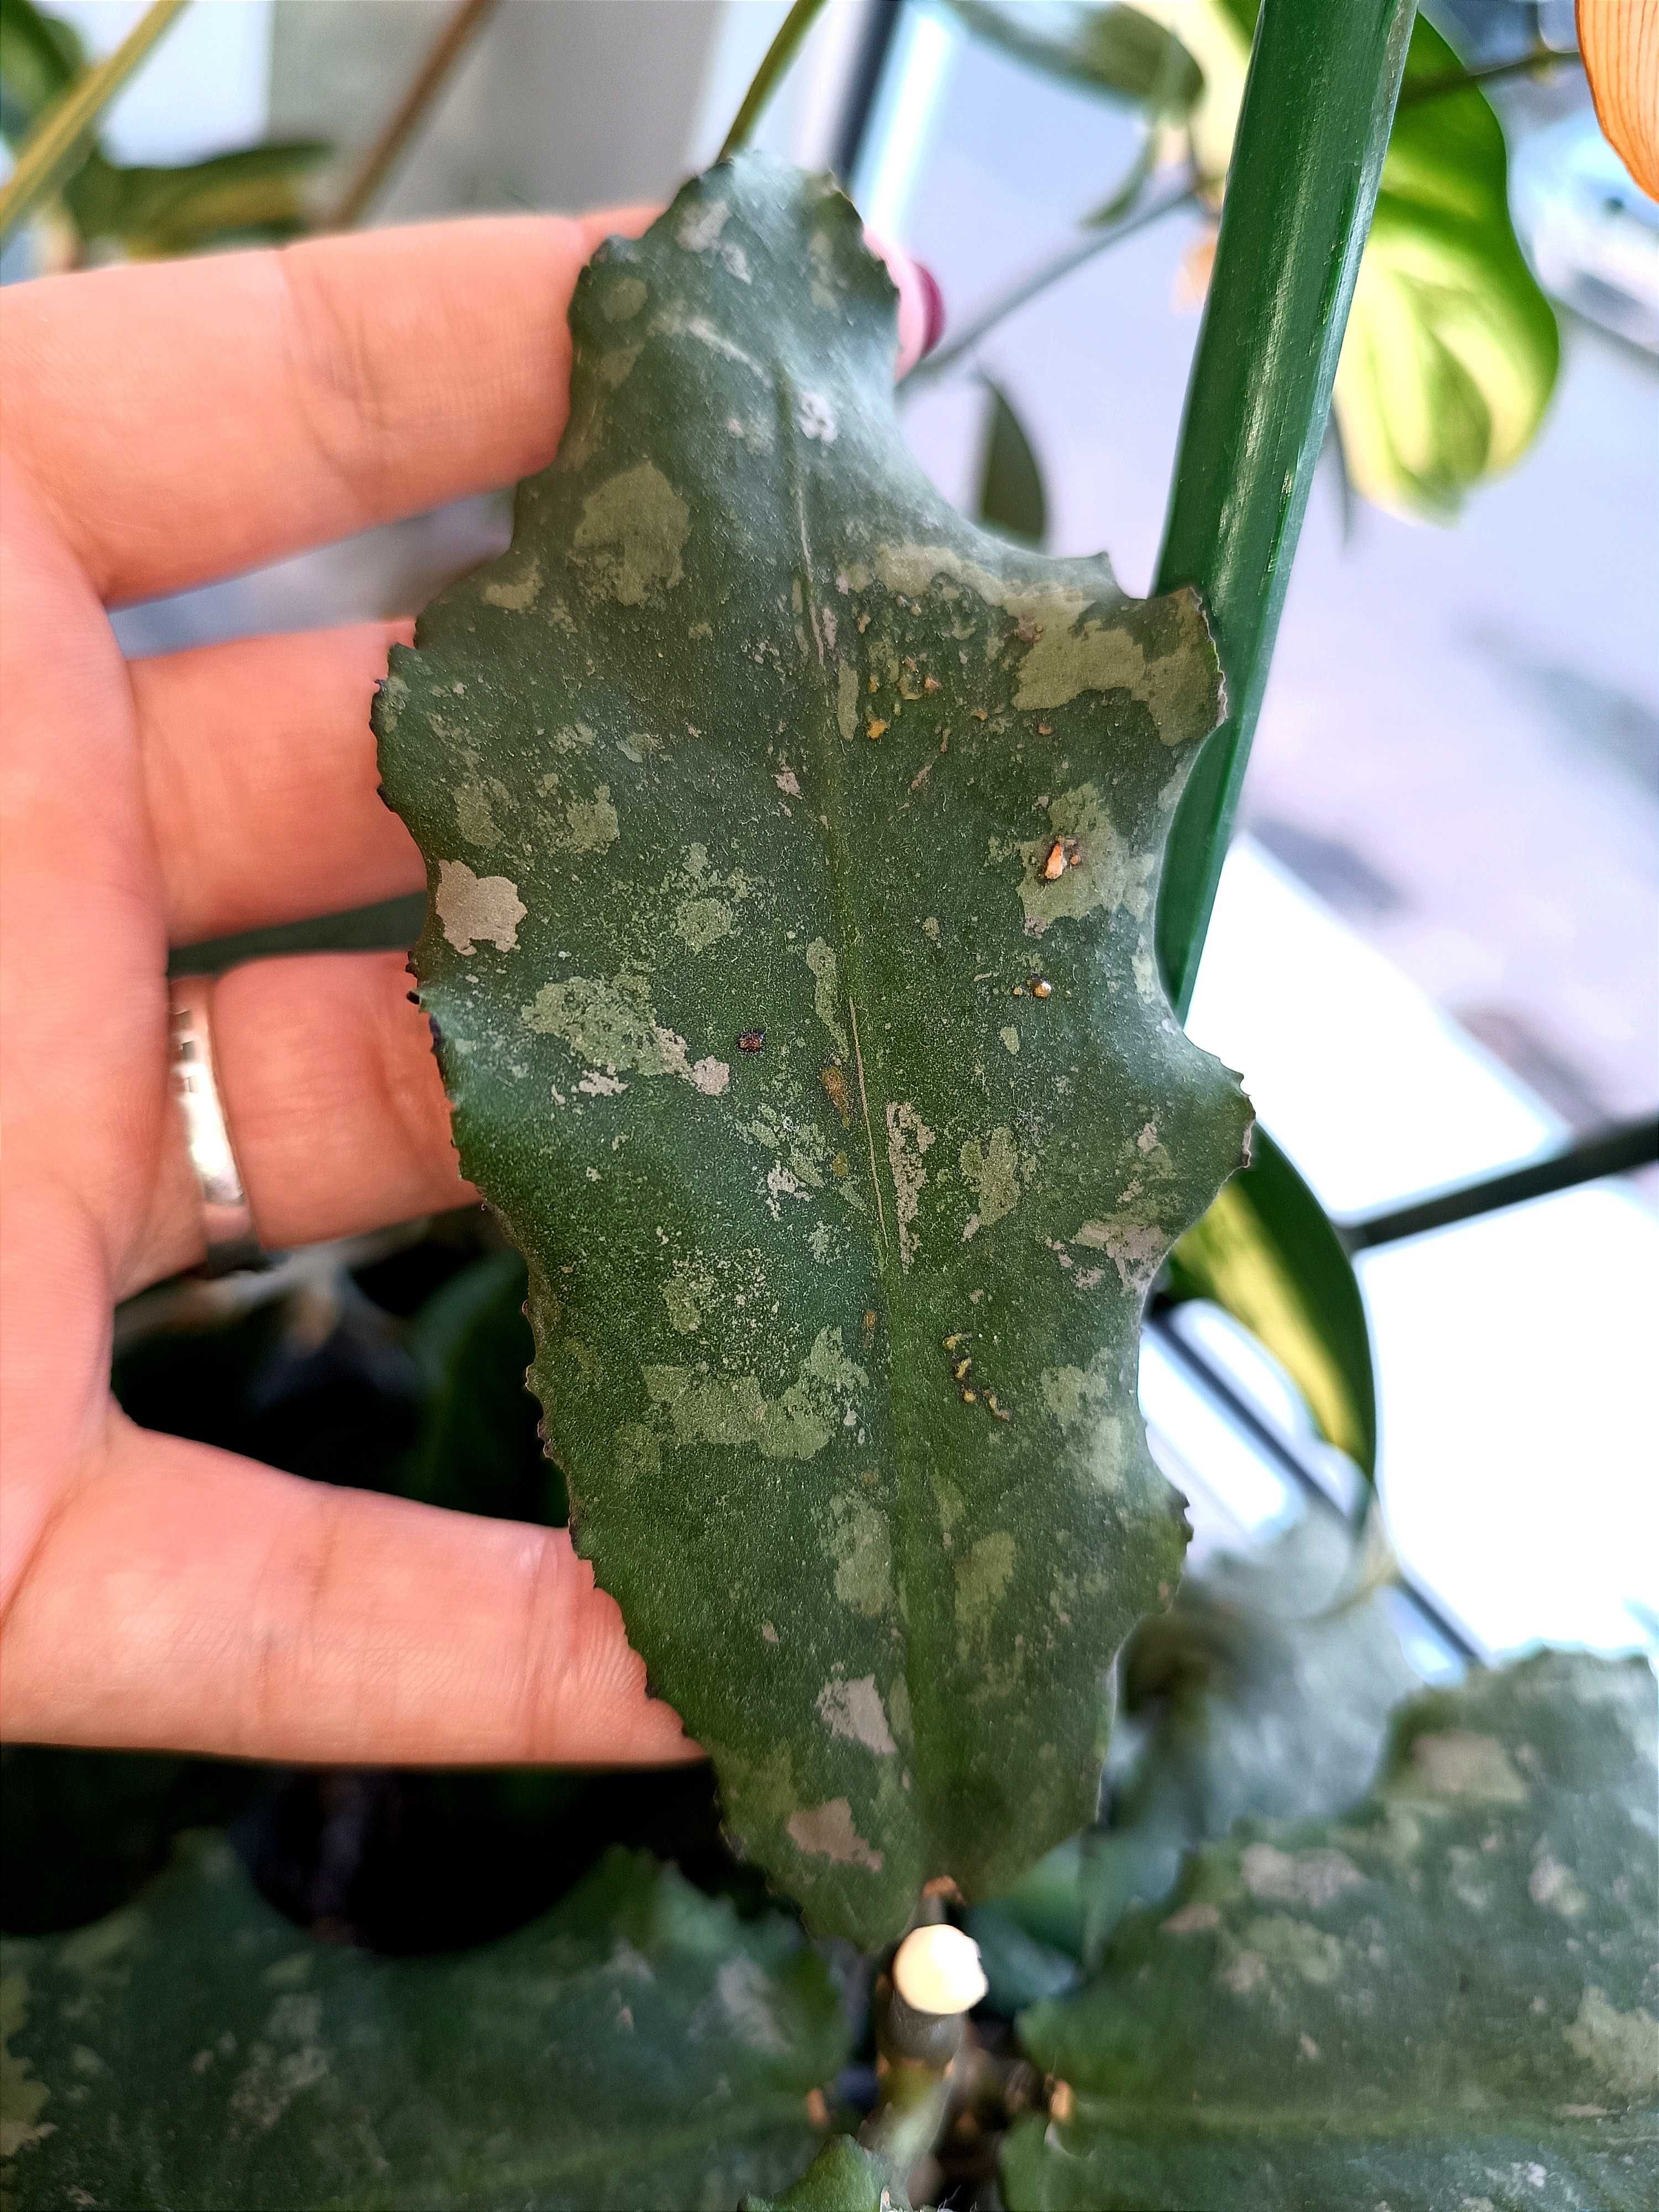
52	146
1312	134
428	82
768	78
919	2052
1437	87
1049	272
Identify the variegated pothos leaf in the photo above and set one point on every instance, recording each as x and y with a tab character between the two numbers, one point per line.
793	846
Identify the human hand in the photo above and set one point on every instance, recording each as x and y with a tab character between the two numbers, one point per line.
165	425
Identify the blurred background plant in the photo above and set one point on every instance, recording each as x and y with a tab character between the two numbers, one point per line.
96	209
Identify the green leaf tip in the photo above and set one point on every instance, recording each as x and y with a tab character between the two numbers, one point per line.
793	846
844	2177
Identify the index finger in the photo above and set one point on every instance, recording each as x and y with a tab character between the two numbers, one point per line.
187	420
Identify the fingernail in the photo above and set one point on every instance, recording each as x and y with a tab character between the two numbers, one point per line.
935	301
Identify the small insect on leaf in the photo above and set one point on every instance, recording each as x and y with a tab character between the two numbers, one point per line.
751	1040
1041	988
1054	866
833	1079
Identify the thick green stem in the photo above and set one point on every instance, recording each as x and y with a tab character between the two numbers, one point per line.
59	138
767	78
1312	135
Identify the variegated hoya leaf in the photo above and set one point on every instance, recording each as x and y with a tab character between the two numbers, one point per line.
638	2049
1446	2000
793	846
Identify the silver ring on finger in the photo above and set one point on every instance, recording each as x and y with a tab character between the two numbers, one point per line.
233	1243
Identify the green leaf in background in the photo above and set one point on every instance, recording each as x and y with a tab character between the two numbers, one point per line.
793	846
1263	1693
1452	349
1011	497
479	1448
81	1831
388	926
1020	1968
638	2047
1267	1253
253	196
1446	1999
1122	52
844	2177
40	58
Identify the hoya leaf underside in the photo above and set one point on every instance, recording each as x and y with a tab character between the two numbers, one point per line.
793	846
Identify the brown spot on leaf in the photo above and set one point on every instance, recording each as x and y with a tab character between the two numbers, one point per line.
833	1079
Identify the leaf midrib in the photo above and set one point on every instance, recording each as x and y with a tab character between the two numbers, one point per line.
890	1271
1147	2116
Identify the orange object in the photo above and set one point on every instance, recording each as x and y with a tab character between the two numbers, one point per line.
1619	42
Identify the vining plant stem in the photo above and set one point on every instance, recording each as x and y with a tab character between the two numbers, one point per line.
774	63
429	81
1438	88
1036	280
1318	106
59	137
918	2053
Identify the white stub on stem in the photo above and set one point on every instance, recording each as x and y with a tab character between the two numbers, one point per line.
937	1970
